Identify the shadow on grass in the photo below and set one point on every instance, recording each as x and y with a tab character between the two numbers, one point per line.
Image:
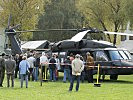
60	80
7	88
115	81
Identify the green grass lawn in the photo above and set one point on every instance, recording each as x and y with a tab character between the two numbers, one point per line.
122	89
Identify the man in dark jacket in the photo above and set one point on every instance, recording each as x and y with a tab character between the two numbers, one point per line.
52	68
67	66
37	65
2	69
17	64
10	68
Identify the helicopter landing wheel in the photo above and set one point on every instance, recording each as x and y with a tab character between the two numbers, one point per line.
113	77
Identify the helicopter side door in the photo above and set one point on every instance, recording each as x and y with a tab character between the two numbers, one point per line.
101	58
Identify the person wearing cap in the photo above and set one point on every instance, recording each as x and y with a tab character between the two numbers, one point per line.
2	69
10	68
90	67
77	68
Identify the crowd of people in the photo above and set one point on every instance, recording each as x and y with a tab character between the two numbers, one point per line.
26	67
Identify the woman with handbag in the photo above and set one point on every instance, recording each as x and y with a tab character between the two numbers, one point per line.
24	70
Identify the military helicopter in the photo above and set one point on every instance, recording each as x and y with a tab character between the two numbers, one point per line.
114	61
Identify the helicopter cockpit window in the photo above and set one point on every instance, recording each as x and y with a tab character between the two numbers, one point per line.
123	55
128	54
101	56
115	55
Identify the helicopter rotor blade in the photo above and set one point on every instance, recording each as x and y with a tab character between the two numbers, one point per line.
6	38
25	31
79	36
6	42
9	21
117	33
14	27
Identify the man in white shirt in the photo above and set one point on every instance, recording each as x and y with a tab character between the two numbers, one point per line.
44	64
31	61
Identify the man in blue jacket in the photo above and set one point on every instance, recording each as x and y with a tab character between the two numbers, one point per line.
24	68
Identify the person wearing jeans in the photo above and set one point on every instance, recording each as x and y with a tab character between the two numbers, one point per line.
36	68
67	66
66	73
52	68
77	68
77	77
52	74
24	76
23	68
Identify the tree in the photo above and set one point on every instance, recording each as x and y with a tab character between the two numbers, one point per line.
105	14
59	14
23	12
129	11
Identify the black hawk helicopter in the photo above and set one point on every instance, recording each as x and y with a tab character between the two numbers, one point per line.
113	61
